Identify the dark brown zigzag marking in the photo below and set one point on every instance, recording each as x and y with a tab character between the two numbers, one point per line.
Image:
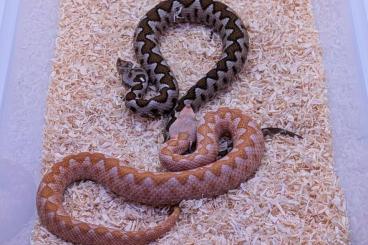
147	47
168	80
163	95
153	13
205	3
231	51
224	13
161	98
237	32
202	84
146	30
221	65
190	95
154	58
130	96
137	87
142	102
213	74
162	69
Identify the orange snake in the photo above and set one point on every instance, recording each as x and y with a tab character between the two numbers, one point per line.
208	177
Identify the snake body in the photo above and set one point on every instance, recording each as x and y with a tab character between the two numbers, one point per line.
155	69
195	175
208	178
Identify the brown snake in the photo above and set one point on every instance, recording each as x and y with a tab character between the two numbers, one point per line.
195	175
208	178
155	70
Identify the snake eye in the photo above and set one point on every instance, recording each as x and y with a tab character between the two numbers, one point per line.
178	11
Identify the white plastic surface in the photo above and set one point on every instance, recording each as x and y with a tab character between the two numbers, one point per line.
359	10
8	17
22	112
342	40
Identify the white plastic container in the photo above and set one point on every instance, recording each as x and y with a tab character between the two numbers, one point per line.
28	31
27	39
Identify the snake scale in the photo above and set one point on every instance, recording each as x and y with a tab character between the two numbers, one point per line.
209	178
155	70
195	175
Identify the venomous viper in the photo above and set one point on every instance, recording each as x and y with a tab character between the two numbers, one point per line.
195	175
155	70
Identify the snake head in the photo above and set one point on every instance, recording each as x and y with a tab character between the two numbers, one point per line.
132	76
123	66
185	123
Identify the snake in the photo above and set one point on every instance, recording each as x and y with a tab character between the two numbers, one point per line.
193	175
154	70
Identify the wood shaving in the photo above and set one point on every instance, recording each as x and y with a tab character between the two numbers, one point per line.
294	198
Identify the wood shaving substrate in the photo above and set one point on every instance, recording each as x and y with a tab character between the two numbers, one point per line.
294	197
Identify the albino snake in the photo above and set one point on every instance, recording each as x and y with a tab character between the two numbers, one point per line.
198	174
208	178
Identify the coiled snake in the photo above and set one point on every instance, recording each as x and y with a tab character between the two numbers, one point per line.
220	18
210	177
198	174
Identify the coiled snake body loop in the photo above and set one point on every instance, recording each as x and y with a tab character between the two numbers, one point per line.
208	178
155	69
